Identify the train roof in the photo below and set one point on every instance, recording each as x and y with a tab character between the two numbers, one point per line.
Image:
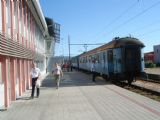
115	43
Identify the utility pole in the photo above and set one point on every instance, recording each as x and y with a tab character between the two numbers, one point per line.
85	47
69	51
69	47
62	51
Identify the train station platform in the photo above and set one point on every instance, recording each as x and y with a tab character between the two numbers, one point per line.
78	98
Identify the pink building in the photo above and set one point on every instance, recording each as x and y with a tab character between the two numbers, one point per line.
149	57
23	31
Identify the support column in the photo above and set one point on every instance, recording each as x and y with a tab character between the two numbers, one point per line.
6	81
31	29
27	75
18	15
24	75
13	78
12	17
22	23
2	79
26	24
30	63
3	16
20	77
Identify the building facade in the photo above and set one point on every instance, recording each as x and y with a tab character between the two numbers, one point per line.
54	37
149	57
156	53
23	34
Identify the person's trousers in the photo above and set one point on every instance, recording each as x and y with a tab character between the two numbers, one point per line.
57	79
94	76
33	87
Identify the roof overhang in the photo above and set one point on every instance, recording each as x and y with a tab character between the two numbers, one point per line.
36	10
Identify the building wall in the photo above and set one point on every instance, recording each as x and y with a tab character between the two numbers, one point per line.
157	53
0	16
20	31
149	57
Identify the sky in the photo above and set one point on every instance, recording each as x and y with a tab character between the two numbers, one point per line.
99	21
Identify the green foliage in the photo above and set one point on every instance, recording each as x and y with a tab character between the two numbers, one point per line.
158	65
150	65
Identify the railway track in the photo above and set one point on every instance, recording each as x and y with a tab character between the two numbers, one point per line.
145	86
151	77
143	89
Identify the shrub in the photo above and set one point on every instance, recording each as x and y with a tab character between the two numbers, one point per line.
158	65
150	65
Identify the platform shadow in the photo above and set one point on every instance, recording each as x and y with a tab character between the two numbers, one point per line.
71	79
23	98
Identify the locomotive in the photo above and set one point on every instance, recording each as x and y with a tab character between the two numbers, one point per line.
120	59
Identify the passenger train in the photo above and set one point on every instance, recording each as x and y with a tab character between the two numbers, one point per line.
121	59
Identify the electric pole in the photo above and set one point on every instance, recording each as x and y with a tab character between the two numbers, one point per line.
69	47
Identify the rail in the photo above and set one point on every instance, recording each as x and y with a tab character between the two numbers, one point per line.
151	77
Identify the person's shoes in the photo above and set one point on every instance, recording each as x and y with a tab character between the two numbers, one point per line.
37	96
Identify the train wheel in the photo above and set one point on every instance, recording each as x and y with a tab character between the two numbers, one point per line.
113	79
130	80
105	77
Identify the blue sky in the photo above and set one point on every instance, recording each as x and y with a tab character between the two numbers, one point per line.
99	21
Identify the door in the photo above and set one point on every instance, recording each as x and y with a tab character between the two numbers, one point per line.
103	61
110	61
132	59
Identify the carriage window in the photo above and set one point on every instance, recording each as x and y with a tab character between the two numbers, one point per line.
81	60
86	60
110	56
97	58
119	61
90	58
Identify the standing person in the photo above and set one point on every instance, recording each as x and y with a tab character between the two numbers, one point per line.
93	71
57	72
35	73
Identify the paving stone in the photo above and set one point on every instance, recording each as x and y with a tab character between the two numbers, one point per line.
78	98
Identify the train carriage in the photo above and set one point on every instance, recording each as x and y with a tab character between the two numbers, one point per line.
120	59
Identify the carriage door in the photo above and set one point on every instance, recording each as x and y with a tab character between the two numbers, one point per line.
103	62
110	61
132	59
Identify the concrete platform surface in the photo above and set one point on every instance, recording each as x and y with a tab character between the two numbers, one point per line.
78	98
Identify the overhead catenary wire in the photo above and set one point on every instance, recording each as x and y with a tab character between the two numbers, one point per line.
89	44
149	32
118	17
85	45
134	17
146	26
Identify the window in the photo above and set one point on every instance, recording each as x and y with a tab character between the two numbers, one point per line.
110	55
